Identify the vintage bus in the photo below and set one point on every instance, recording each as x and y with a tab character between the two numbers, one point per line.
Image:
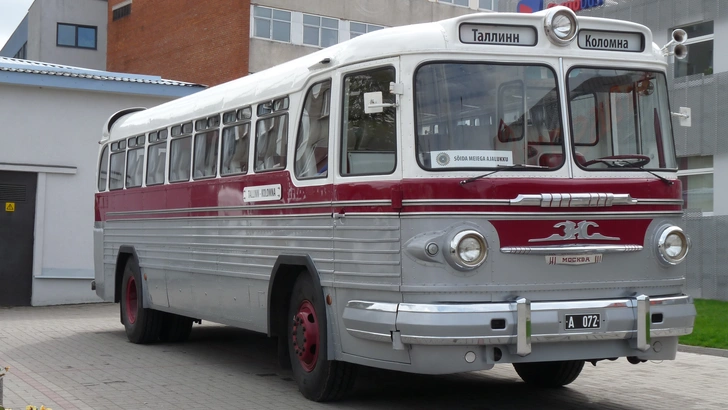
437	198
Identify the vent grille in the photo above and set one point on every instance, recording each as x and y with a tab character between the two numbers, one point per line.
121	12
15	193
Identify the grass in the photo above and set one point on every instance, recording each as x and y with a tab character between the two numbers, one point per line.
711	325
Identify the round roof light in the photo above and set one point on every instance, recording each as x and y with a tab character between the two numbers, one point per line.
561	26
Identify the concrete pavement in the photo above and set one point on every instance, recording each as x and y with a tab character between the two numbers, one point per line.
78	357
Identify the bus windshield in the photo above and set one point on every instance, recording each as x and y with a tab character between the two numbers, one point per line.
620	119
481	116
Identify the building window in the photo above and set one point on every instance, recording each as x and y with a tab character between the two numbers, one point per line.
120	11
320	31
23	52
72	35
357	29
456	2
700	50
272	24
487	5
696	174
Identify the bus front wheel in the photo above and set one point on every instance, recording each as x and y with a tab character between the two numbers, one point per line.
141	325
549	374
318	378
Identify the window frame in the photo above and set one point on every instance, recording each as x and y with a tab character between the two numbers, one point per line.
326	113
343	148
75	37
241	117
271	21
319	29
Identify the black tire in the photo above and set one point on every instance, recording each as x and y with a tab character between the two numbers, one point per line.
175	328
142	325
318	378
549	374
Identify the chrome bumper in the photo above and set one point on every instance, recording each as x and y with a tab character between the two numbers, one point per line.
519	324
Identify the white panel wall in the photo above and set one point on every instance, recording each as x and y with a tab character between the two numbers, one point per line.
61	128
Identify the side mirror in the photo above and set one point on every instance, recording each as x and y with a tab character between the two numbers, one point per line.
373	103
684	115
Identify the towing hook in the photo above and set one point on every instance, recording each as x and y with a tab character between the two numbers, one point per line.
635	360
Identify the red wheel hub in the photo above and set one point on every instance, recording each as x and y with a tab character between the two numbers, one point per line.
131	300
306	336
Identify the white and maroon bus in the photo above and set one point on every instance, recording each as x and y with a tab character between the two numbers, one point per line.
436	198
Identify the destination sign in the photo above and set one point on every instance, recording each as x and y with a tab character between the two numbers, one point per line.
611	41
497	35
262	193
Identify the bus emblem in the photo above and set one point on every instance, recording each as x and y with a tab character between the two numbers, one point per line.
443	159
574	231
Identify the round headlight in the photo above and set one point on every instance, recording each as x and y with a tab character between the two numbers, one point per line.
468	249
673	245
561	26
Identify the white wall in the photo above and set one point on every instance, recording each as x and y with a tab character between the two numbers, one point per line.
43	17
60	128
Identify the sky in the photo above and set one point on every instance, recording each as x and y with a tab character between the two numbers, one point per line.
11	13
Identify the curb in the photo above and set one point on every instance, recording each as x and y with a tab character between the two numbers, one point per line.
702	350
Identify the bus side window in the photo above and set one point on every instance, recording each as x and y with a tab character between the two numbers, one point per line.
116	171
206	154
134	167
235	143
156	163
271	143
369	141
103	169
312	146
179	163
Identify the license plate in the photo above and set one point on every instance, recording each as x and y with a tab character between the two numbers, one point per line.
587	321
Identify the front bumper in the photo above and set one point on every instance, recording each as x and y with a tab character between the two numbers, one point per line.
521	324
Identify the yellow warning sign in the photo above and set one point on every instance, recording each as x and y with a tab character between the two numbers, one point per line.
9	206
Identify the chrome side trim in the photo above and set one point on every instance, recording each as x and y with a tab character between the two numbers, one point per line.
540	338
570	249
382	202
552	200
456	202
373	336
672	300
545	215
373	306
567	200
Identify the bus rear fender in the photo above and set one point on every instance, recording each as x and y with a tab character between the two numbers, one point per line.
128	253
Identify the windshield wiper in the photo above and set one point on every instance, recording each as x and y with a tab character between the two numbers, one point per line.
502	168
660	177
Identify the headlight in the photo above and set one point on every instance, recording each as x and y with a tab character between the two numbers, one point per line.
468	249
673	245
561	26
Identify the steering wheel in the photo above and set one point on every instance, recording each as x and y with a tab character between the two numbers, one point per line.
620	161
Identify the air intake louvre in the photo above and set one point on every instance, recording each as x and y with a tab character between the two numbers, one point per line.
15	193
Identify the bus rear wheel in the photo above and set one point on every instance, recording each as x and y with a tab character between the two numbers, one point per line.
318	378
549	374
141	325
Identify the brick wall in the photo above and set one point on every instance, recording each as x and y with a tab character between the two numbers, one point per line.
204	42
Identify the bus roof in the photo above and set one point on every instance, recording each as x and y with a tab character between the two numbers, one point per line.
437	37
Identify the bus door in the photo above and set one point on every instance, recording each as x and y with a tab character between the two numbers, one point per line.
366	191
